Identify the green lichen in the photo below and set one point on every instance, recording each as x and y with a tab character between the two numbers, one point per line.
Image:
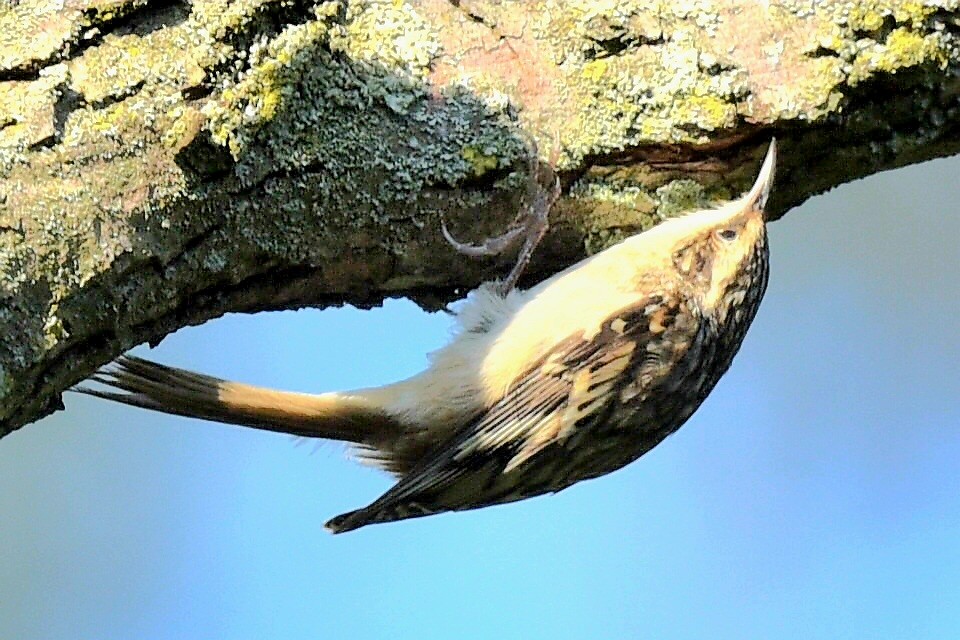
105	10
864	17
653	96
680	196
605	191
348	95
611	212
616	207
128	122
6	385
110	69
390	45
652	87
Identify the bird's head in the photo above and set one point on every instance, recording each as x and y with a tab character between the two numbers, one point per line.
718	256
725	250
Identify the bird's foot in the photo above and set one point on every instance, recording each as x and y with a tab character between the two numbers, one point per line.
530	223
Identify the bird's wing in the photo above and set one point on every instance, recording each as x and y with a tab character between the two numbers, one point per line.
575	382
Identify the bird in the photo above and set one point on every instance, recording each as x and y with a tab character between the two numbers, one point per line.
538	389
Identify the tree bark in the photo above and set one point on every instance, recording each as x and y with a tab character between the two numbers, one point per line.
164	162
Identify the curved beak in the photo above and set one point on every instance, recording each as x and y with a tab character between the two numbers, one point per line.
756	199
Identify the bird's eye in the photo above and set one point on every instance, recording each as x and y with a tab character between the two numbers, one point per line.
727	234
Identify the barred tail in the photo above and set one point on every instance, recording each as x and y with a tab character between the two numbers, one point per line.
377	514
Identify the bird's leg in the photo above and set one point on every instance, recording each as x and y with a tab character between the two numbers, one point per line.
535	219
531	222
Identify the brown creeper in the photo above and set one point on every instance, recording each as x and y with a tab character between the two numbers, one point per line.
542	388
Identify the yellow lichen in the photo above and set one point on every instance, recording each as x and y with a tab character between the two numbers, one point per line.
31	31
53	329
26	112
914	12
903	48
185	123
391	35
258	97
708	112
594	69
863	17
479	161
120	65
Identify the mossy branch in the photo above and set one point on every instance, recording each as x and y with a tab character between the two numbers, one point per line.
164	163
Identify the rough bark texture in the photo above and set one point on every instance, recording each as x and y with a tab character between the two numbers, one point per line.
163	162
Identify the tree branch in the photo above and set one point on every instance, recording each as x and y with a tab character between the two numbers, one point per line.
165	162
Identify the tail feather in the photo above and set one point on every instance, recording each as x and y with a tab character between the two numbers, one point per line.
376	514
335	416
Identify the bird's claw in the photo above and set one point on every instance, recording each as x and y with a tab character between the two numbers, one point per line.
530	223
490	247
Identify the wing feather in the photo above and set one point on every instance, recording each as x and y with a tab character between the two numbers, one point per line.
571	385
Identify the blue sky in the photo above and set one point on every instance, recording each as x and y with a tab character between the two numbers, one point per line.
814	495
